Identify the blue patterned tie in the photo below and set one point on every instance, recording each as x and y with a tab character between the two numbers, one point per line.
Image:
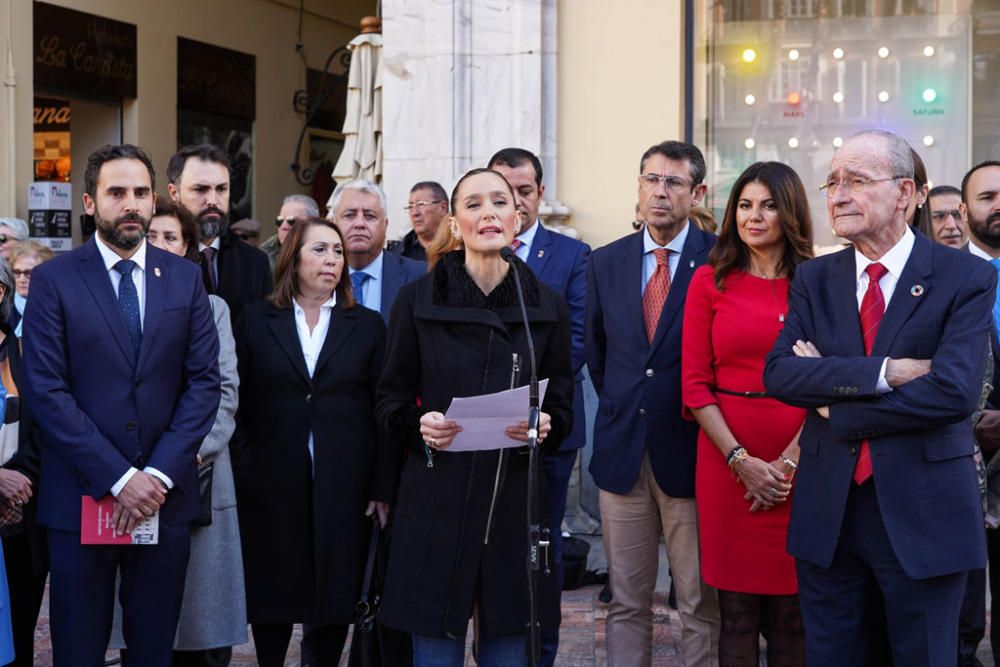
996	302
358	280
128	299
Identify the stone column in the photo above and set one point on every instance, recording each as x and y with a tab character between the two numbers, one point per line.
462	79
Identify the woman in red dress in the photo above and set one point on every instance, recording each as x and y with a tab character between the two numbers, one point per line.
748	445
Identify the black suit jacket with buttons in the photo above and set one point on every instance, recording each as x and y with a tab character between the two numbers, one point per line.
920	435
101	409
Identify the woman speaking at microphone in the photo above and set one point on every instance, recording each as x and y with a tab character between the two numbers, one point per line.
459	534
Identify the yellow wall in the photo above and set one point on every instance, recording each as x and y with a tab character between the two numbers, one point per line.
265	28
621	90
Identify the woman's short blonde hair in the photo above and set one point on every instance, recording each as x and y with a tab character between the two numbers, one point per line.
28	248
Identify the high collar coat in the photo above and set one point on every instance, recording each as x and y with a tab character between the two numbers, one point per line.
449	549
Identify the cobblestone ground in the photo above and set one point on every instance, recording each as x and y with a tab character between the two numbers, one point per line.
582	642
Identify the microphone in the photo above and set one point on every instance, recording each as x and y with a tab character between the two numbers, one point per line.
538	537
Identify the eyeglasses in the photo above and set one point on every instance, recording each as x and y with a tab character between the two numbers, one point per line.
421	204
674	184
4	238
855	184
939	216
18	273
291	220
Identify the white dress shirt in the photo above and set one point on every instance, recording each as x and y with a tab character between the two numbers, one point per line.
974	250
139	279
893	261
527	237
312	341
676	246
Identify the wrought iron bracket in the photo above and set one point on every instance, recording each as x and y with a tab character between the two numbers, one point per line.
302	104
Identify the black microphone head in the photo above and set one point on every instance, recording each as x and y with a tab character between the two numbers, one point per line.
506	253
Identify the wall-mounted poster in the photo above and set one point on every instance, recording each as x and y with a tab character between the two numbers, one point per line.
52	139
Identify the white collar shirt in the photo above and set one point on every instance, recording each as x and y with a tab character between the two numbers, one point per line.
110	258
311	342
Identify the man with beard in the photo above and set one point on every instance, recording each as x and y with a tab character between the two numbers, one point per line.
198	179
358	209
120	358
981	203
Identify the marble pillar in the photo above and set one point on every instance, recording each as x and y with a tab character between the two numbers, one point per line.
462	79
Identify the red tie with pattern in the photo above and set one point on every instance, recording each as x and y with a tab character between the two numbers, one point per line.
656	292
872	309
515	244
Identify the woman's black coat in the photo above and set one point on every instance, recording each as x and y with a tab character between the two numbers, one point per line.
447	339
305	540
28	458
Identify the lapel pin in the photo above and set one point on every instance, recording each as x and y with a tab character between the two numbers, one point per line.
917	290
156	271
691	264
541	253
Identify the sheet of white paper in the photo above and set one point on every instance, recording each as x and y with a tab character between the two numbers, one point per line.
485	418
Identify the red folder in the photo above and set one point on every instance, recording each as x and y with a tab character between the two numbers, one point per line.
97	527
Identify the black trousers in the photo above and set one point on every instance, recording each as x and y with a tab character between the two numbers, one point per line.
26	591
324	647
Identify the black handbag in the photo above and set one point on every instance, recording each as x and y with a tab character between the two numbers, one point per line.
205	474
366	641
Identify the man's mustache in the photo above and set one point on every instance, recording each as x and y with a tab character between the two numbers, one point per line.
209	211
129	217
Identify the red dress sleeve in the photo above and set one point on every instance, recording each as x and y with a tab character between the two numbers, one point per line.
697	354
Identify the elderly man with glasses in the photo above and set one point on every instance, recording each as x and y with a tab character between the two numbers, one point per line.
427	207
885	343
293	209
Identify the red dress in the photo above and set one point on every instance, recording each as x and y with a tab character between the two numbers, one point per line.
727	336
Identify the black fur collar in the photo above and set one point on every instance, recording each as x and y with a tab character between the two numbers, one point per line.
453	286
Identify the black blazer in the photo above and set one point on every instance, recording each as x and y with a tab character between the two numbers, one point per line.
305	537
244	274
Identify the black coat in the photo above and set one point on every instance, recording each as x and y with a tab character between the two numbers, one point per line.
447	339
244	274
304	540
27	460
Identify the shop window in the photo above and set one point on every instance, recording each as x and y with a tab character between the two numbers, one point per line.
792	90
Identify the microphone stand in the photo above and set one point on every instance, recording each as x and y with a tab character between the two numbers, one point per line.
538	537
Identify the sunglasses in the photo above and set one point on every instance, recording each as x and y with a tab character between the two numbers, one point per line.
18	273
4	238
291	220
246	236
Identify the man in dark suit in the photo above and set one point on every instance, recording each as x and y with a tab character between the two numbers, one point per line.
977	210
358	208
121	363
644	451
885	342
239	273
560	262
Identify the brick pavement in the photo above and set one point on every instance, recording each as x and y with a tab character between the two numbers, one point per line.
582	641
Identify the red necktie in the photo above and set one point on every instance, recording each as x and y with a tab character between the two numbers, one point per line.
515	244
872	309
656	292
